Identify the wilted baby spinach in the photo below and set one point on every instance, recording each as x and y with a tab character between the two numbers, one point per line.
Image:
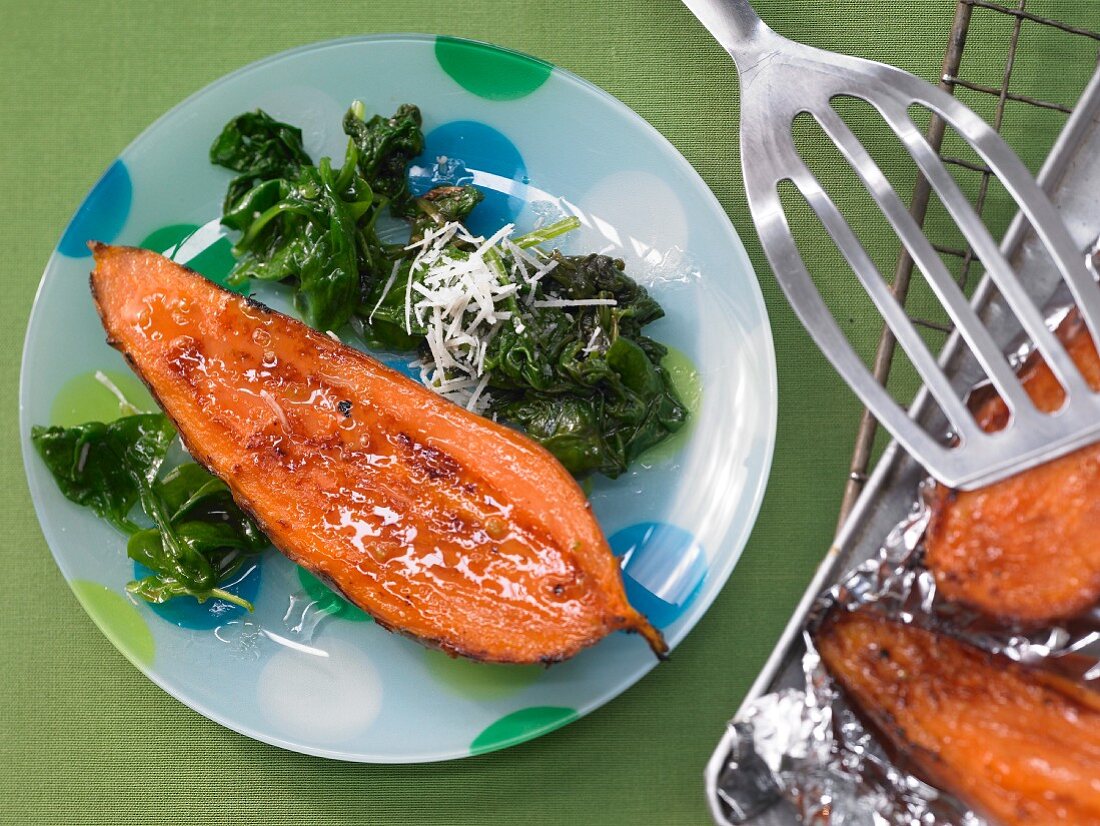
313	226
384	147
581	379
106	466
260	148
199	537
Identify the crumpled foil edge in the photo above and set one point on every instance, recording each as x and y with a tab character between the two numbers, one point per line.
809	747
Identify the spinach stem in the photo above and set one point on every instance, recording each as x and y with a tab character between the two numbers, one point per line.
221	593
125	407
546	233
493	259
265	219
191	568
351	158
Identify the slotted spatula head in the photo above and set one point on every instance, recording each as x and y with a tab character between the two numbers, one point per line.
780	80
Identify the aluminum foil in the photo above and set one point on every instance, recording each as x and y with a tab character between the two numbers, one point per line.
806	746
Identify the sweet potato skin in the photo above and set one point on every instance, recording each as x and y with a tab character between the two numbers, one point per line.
1026	548
1015	746
442	525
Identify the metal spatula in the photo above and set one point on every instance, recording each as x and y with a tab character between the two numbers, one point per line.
781	79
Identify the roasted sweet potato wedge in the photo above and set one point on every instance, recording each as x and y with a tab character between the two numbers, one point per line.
1015	745
1026	548
441	524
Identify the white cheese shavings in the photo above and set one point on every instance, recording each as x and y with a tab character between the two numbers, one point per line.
472	403
594	341
574	302
385	290
460	300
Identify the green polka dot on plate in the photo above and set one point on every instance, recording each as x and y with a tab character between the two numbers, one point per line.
689	387
118	619
521	725
84	398
481	681
214	259
328	601
490	71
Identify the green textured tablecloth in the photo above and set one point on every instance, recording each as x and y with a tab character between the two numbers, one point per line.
85	738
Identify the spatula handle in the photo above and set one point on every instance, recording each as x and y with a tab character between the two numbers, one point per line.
734	24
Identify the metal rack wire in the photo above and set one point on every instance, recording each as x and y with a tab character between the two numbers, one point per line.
969	15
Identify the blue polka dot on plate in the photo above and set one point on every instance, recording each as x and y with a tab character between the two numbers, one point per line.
403	364
663	569
466	152
188	612
101	216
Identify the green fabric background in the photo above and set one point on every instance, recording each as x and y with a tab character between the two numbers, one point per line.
85	738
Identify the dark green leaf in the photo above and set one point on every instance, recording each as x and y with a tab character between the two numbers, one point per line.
199	536
211	539
181	562
159	589
243	210
186	486
386	335
385	147
256	141
313	230
192	491
584	381
145	546
569	427
328	289
443	205
105	466
261	149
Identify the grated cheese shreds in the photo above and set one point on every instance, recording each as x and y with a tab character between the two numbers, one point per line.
408	299
476	396
385	290
574	302
593	341
461	300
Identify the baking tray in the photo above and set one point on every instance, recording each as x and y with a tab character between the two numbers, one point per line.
1071	176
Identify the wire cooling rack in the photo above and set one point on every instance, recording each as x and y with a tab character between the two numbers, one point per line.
972	17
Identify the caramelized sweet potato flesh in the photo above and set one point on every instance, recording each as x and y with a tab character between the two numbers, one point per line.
441	524
1006	740
1026	548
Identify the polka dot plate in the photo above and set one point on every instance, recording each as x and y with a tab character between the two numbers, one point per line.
307	671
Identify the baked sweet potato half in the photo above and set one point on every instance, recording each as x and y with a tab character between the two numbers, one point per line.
441	524
1026	548
1016	745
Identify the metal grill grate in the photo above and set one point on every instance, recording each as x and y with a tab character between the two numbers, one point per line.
969	15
